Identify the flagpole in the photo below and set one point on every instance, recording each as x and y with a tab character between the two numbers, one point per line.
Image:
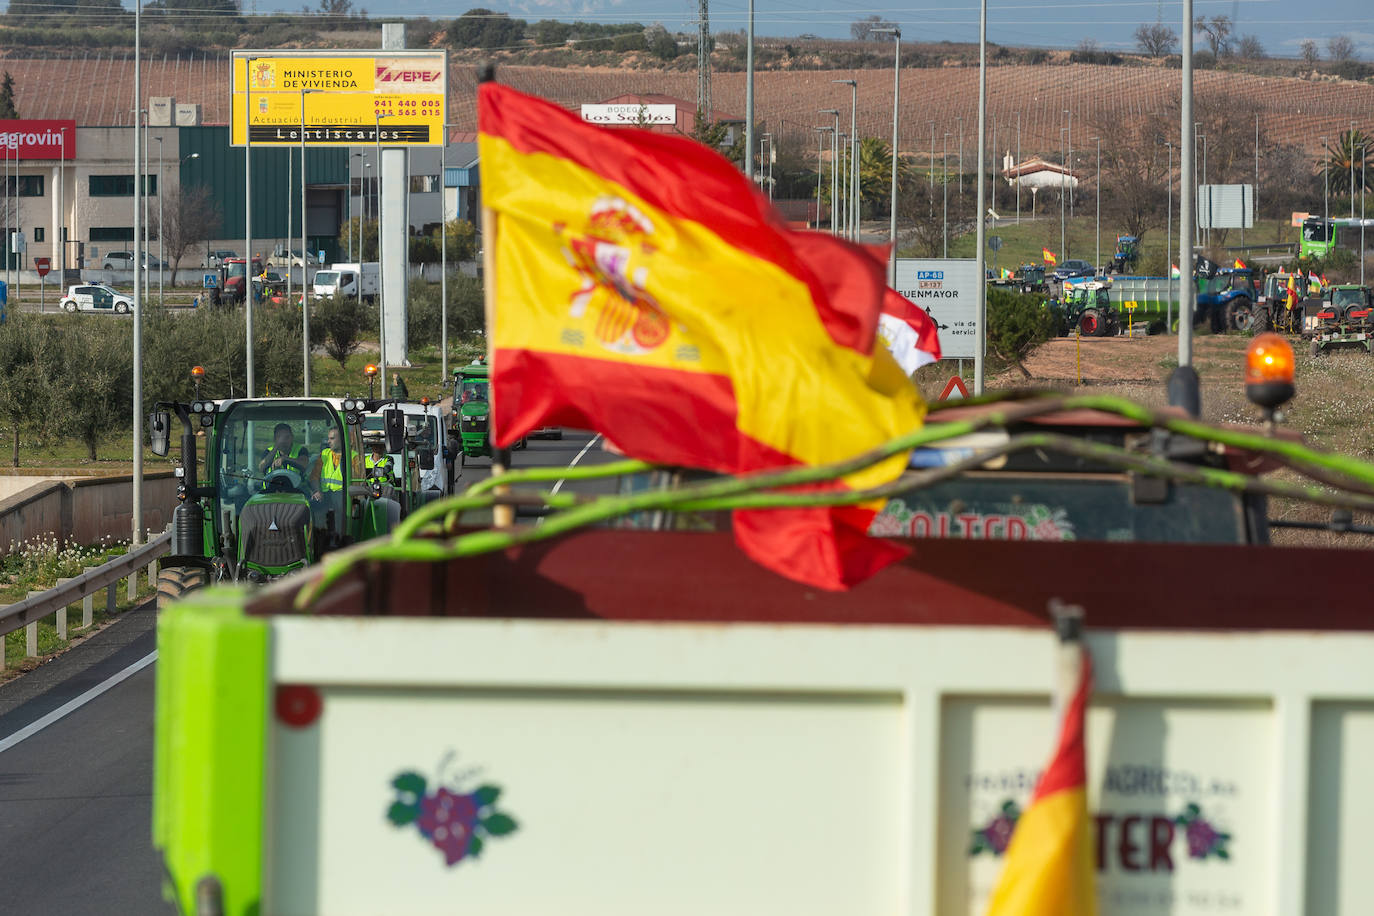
502	516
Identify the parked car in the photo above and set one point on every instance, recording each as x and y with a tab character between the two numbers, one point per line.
213	258
1074	268
124	260
94	297
281	259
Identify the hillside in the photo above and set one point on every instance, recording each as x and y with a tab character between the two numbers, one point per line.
94	89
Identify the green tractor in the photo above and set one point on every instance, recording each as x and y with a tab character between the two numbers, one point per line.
1087	307
1345	319
284	483
1127	254
472	411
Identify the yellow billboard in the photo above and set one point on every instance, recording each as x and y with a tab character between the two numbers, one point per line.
339	98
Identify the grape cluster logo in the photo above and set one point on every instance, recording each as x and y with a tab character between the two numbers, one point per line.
458	824
995	836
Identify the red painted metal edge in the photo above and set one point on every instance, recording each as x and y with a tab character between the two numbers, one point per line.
673	576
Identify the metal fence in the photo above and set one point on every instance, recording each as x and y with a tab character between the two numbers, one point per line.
55	601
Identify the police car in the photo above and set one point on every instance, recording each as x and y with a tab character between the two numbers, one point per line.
94	297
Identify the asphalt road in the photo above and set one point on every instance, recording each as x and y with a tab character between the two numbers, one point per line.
76	793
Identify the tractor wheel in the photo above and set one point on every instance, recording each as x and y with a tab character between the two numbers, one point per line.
1261	321
1091	324
1239	313
175	581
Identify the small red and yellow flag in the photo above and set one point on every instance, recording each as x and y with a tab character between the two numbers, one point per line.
1049	863
642	287
1239	265
1048	256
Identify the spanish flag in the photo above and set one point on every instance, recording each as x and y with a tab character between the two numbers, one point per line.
1049	863
641	287
1048	256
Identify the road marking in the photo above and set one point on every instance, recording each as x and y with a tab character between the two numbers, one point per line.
37	726
572	464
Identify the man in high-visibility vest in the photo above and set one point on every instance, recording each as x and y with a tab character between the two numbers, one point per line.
328	473
281	454
378	458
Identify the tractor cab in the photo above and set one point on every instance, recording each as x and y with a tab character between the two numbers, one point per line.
266	486
472	410
1087	307
281	470
1030	278
1127	254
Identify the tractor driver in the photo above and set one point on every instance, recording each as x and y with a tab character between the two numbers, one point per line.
281	454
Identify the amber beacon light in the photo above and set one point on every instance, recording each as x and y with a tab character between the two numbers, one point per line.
1269	372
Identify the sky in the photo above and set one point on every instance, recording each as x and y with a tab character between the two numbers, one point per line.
1281	25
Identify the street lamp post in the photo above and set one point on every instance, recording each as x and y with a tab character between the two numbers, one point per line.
1169	239
1362	178
305	254
248	215
161	260
834	169
852	210
1018	168
381	261
945	182
896	99
843	200
1098	262
1350	147
443	256
136	498
931	170
1069	112
1063	192
820	156
959	120
1326	194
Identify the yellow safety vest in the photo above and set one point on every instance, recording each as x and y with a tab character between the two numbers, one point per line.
331	471
369	462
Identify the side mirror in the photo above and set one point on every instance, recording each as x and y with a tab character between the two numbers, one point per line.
395	424
159	432
426	456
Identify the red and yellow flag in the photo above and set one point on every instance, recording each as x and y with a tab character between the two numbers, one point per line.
641	287
1049	864
1048	256
1239	265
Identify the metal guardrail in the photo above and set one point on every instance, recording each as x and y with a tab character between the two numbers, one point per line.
28	611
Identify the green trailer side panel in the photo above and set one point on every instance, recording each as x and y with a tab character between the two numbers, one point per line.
210	746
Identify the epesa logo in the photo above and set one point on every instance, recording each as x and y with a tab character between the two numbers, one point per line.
386	74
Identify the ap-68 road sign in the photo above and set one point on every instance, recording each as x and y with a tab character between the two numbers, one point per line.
947	290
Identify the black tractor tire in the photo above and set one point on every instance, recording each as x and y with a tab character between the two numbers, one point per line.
1091	324
1261	321
175	581
1240	311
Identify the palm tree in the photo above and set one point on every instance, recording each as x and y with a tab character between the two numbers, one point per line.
1353	145
875	174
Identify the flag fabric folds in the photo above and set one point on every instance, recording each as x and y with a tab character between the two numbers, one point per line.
1174	272
1314	284
1048	256
641	287
1049	865
908	332
1239	265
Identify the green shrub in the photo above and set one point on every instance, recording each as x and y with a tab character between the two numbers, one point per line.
1016	324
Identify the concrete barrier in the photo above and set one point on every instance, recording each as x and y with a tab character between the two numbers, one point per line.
84	510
